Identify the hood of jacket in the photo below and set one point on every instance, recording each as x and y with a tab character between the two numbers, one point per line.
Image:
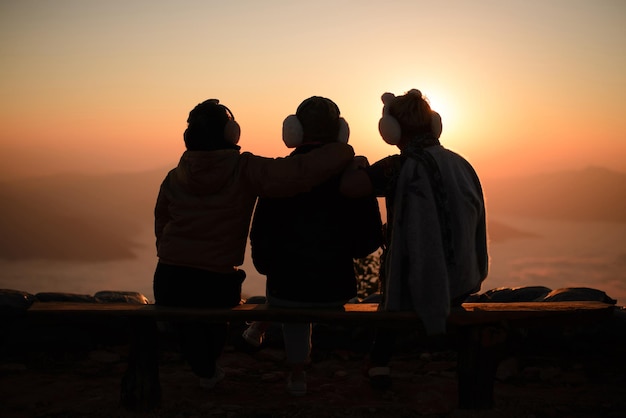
202	172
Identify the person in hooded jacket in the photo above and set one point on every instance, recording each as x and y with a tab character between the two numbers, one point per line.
202	219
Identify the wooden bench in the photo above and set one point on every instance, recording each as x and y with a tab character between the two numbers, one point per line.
482	329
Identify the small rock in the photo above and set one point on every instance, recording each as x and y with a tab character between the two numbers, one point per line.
12	367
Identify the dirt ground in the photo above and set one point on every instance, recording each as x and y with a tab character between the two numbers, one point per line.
56	382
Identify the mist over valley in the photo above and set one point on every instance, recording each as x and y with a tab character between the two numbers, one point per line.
55	228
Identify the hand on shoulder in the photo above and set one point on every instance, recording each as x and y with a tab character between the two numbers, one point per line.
359	161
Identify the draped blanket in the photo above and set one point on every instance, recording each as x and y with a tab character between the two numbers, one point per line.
419	251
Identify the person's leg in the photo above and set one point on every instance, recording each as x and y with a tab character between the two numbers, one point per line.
205	341
297	338
383	346
255	333
201	343
381	353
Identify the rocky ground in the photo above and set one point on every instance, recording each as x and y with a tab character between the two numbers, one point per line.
545	377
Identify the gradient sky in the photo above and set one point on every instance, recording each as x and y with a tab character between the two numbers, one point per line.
522	86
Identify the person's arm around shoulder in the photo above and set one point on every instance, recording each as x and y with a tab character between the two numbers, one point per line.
277	177
355	182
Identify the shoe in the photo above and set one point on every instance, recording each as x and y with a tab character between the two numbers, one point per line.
380	377
210	382
296	387
253	336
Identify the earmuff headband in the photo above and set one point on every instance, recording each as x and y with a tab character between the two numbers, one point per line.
232	130
293	132
319	115
390	129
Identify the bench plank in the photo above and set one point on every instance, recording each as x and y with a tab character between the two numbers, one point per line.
467	314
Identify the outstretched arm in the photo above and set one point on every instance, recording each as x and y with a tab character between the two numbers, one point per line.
281	177
355	182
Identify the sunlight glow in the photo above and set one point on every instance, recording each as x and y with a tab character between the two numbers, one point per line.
445	105
72	85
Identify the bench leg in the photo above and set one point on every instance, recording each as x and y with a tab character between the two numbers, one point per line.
480	350
140	388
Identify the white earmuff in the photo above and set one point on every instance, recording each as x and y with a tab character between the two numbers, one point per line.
293	132
390	129
232	131
344	131
388	126
436	125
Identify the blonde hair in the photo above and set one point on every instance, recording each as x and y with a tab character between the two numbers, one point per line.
413	112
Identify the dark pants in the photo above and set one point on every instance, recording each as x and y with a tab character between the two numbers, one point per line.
201	343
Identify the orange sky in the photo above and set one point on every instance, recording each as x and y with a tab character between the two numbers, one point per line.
522	86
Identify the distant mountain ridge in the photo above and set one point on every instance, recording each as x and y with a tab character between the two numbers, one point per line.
590	194
97	217
76	216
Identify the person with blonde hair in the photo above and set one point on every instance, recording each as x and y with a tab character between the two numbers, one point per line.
436	242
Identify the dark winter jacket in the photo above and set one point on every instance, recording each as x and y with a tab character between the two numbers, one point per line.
306	244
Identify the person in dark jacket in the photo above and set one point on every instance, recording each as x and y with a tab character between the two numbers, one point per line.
306	244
